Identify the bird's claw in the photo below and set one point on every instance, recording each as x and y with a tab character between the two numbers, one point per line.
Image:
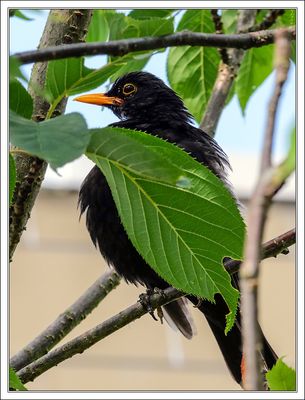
144	299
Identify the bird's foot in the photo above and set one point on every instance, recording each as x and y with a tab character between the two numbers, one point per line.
144	299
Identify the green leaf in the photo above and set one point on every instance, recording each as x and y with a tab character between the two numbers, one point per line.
287	19
256	66
124	27
58	141
20	100
19	14
130	152
117	22
15	71
281	377
229	20
177	213
98	28
141	28
150	13
192	70
12	177
155	27
15	382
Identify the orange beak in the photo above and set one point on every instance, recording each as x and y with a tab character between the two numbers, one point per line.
99	99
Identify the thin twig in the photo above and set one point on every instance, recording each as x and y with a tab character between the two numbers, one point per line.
125	46
66	321
89	338
259	204
219	30
268	21
86	340
227	72
272	248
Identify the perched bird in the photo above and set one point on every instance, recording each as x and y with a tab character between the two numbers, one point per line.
143	102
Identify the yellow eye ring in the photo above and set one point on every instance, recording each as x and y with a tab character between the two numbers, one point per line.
129	88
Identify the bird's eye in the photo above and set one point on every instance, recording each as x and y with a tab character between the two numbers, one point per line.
129	88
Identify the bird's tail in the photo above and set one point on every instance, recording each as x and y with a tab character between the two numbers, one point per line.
178	317
231	344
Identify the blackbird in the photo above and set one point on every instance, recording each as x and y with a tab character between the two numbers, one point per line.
143	102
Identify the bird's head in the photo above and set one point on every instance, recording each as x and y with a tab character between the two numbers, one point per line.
139	95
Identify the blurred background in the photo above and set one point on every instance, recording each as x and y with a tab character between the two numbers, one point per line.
56	261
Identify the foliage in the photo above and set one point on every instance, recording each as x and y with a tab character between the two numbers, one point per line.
58	141
160	192
15	383
19	14
20	100
257	63
192	70
281	377
15	71
256	66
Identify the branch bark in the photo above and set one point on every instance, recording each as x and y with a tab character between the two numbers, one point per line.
66	321
268	21
125	46
59	29
260	202
89	338
272	248
226	74
216	17
83	342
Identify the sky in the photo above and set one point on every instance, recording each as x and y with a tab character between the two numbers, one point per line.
236	133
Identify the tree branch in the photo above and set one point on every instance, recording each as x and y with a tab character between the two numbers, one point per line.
66	321
125	46
31	170
260	202
272	248
92	336
268	21
219	30
83	342
227	72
